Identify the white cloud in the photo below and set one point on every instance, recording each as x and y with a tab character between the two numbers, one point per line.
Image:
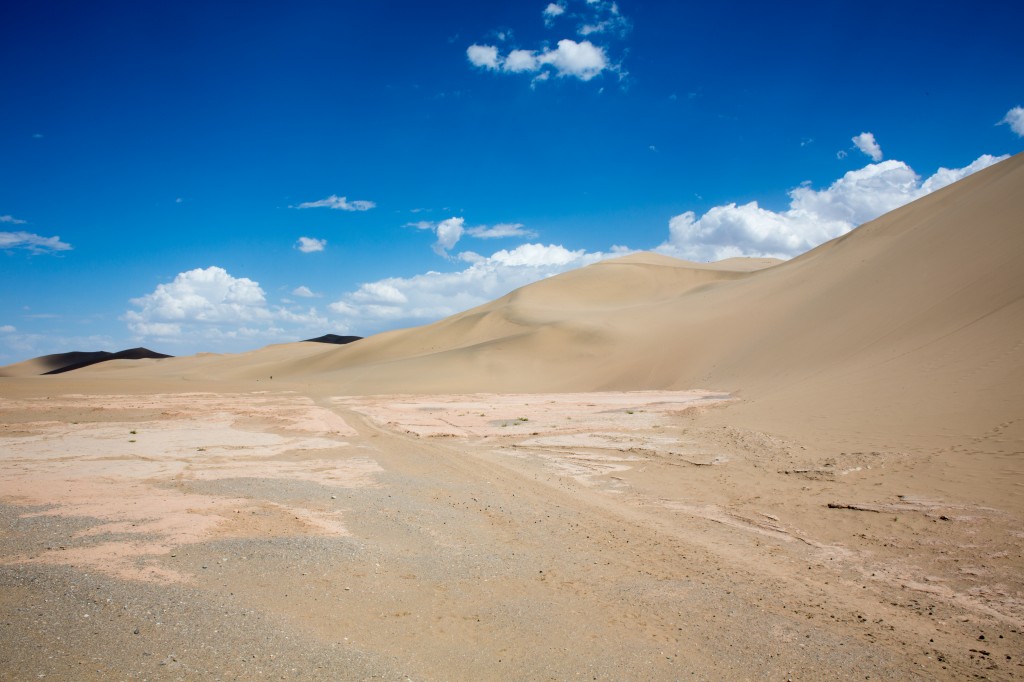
841	154
551	11
7	329
582	60
212	305
310	244
813	217
339	204
484	56
11	219
304	319
32	243
867	144
521	60
209	295
501	231
1015	119
947	176
304	292
379	293
433	295
448	234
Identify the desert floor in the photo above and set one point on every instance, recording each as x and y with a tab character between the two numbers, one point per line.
157	534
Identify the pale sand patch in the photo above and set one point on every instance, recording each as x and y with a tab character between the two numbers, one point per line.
586	436
131	475
486	414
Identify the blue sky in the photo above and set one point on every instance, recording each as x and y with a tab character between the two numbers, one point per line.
218	176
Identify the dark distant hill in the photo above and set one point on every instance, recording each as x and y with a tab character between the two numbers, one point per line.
66	362
334	338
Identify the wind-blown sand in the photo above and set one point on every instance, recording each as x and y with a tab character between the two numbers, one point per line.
644	469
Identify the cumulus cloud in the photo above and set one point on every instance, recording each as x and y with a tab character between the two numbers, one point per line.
484	56
204	295
211	304
339	204
383	292
411	300
448	234
1015	119
304	292
551	11
7	329
582	60
310	244
521	60
11	219
33	243
813	217
867	144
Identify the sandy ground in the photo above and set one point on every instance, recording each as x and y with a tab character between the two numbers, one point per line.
626	535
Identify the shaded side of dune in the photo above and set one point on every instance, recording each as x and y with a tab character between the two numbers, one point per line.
334	338
67	362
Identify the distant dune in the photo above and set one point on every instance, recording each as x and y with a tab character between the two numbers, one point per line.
333	338
66	362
